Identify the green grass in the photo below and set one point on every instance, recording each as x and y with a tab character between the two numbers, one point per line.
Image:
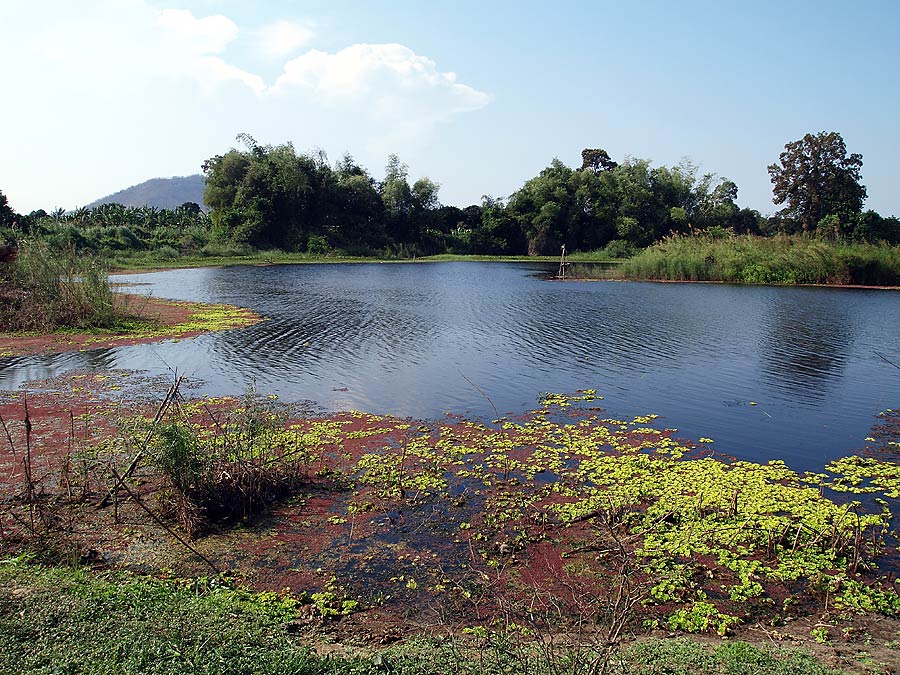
766	260
44	290
68	620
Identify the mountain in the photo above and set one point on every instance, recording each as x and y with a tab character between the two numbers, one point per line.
162	193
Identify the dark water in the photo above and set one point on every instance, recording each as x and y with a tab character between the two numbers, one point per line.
403	338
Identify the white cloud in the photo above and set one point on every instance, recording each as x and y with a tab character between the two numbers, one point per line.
389	96
208	35
386	72
197	40
141	91
282	38
212	70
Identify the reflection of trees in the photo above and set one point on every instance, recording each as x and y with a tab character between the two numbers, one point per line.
16	371
804	342
418	326
336	321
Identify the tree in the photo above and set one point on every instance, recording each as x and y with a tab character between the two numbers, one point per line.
7	215
545	209
398	201
816	178
597	160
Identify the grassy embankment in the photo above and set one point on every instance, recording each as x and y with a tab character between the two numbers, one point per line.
65	620
765	260
54	301
44	291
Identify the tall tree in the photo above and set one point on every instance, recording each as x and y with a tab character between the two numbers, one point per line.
398	200
815	177
7	215
545	209
597	160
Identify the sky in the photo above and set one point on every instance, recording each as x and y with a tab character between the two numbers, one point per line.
99	95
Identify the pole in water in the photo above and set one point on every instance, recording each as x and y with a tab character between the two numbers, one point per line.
562	263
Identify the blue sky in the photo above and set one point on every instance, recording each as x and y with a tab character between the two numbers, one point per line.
479	96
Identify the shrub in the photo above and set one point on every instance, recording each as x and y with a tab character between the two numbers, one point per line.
230	469
44	290
761	260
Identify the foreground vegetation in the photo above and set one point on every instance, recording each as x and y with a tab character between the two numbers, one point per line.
760	260
564	522
59	620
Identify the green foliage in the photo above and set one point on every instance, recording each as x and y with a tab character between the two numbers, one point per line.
851	595
231	468
701	617
816	179
72	622
47	290
331	601
109	229
58	620
8	217
317	245
759	260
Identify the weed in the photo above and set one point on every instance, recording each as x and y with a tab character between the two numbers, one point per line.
44	290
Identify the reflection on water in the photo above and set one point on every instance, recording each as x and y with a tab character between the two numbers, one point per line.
17	370
805	342
403	338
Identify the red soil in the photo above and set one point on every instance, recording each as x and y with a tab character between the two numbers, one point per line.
162	313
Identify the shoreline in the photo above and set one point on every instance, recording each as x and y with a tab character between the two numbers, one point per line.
370	537
229	262
860	287
159	319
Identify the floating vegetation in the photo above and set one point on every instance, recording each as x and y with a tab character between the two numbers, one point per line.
202	318
561	513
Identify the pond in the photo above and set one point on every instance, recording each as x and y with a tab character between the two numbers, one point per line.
422	339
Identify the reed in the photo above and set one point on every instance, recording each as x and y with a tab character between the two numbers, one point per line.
44	290
766	260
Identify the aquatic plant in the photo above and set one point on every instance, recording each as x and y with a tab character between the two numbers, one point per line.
229	465
559	515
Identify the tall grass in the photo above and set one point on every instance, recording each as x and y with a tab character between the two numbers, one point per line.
766	260
45	290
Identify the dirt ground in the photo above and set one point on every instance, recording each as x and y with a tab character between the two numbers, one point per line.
165	320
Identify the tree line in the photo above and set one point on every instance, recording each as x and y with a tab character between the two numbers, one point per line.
265	196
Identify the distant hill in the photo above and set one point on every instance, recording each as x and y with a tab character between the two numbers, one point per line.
162	193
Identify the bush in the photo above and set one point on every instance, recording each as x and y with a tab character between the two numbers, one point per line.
226	250
761	260
44	290
317	245
229	470
165	253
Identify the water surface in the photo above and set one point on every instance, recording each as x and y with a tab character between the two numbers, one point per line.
405	338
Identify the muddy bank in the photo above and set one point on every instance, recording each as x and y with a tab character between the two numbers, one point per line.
153	320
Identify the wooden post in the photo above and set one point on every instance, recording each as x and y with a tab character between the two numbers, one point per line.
563	264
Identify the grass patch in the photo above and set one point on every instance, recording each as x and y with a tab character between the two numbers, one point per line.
45	291
137	262
65	620
766	260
